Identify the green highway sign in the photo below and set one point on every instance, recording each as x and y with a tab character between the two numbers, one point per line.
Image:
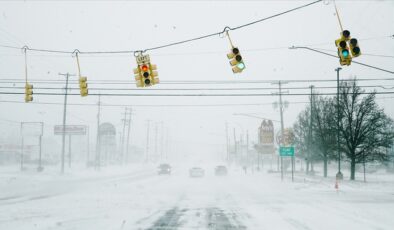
286	151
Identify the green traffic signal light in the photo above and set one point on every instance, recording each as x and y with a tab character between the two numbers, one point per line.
345	53
241	65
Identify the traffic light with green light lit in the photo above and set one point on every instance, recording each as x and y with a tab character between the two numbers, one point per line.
354	48
236	60
343	49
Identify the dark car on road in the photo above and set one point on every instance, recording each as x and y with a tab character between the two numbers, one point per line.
164	169
220	170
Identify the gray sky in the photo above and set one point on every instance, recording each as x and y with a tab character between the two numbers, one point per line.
134	25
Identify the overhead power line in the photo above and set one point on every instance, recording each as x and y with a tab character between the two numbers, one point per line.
151	105
200	89
315	50
227	28
191	95
197	82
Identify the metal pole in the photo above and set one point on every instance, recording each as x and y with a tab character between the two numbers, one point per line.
147	143
161	139
98	144
156	129
247	147
22	146
167	142
227	144
281	126
87	147
310	130
339	175
235	143
64	122
365	179
39	161
69	151
123	135
128	137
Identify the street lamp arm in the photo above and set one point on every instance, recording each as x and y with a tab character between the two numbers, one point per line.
248	115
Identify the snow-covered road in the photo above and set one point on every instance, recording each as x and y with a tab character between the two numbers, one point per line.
141	199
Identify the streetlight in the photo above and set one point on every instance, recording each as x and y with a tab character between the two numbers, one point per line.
339	175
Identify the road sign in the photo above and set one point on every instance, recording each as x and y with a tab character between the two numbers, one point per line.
286	151
70	130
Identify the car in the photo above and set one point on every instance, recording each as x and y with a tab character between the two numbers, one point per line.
196	172
220	170
164	169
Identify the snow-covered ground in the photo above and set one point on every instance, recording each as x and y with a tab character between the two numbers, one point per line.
135	197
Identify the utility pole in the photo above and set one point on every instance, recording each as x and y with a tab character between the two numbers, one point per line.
147	142
309	162
22	147
98	141
227	144
235	143
123	136
247	147
40	155
87	147
69	150
282	129
128	136
339	175
167	142
156	133
281	125
161	140
67	75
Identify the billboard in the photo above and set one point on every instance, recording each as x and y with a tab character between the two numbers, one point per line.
266	133
70	130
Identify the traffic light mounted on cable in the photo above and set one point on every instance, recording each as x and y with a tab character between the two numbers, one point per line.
343	49
236	60
28	92
146	73
354	48
83	86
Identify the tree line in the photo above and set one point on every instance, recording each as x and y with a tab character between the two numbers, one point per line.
365	131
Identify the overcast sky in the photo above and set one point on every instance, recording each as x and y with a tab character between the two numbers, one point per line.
137	25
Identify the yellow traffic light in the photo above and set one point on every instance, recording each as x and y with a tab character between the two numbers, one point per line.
236	60
146	73
154	74
354	48
83	86
137	76
28	92
343	49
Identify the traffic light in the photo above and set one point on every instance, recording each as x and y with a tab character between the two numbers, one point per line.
236	60
83	86
146	73
354	48
28	92
343	49
137	76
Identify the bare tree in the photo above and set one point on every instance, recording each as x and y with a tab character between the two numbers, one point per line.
301	136
324	127
364	127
